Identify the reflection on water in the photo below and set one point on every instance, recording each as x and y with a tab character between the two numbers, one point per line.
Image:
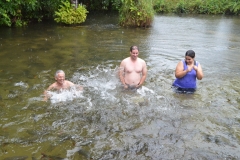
104	121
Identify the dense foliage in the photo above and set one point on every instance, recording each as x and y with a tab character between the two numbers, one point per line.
136	13
102	5
198	6
131	12
68	14
21	12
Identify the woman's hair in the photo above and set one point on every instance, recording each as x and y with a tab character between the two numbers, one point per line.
190	53
133	48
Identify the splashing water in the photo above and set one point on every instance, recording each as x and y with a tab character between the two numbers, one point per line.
64	95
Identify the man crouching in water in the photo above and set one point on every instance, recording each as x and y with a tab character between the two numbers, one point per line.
60	84
133	70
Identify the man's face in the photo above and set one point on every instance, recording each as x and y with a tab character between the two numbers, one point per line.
60	78
134	54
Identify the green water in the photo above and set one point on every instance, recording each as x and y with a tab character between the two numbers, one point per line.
106	122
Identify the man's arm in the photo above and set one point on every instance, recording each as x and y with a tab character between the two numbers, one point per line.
121	73
45	92
144	74
71	84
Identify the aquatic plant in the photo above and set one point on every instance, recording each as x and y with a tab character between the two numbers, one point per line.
68	14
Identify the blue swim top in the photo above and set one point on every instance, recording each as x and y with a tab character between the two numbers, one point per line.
189	80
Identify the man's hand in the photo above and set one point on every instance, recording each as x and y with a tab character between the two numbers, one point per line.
79	88
138	85
46	96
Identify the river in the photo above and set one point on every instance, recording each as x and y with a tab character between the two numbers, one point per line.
105	121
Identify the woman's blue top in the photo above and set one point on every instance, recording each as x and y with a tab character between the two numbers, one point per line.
189	80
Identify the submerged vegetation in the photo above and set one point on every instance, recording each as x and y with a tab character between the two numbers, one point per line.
131	12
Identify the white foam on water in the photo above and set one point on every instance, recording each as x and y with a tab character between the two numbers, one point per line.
101	82
64	95
71	152
21	84
144	91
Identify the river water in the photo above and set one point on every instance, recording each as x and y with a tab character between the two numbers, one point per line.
105	121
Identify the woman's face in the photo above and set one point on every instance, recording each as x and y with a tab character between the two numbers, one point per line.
189	60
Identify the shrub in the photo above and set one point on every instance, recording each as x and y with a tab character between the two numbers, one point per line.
68	14
136	13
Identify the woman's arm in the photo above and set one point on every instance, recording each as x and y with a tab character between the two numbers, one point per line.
199	71
179	71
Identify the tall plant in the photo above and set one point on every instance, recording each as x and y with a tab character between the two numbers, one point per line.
20	12
68	14
234	7
136	13
10	12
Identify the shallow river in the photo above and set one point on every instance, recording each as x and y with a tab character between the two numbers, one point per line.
105	121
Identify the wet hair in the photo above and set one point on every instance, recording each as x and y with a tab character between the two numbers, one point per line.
133	48
59	71
190	53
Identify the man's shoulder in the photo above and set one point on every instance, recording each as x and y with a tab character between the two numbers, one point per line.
126	59
52	86
69	82
141	60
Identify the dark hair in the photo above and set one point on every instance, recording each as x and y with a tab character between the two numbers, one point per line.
190	53
133	48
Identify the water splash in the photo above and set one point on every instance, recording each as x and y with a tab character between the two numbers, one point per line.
21	84
64	95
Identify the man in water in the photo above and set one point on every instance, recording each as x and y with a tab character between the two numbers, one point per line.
60	84
133	70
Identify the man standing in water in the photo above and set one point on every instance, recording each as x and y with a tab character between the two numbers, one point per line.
133	70
60	83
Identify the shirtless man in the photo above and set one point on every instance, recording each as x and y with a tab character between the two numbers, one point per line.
60	83
133	70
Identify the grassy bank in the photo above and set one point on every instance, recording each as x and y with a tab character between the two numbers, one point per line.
198	6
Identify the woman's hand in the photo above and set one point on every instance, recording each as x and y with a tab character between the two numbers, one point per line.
189	68
195	68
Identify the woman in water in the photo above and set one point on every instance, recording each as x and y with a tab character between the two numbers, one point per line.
186	73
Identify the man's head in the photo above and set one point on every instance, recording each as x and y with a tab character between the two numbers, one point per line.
134	52
60	77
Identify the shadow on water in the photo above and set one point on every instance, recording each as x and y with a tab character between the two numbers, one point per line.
105	121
